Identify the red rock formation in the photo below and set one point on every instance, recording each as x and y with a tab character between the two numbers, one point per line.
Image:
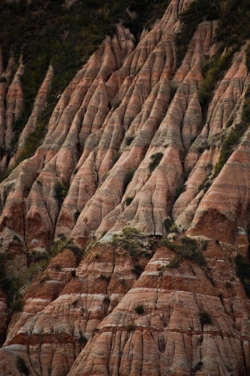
128	144
170	334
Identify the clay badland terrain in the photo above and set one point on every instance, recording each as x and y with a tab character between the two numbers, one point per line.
125	231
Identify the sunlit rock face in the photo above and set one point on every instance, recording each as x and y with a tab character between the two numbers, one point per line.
128	146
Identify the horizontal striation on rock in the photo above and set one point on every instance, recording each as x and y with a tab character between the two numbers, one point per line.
64	305
225	105
168	332
131	153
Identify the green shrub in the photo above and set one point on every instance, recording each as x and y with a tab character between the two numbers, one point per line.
21	366
127	179
128	200
243	273
105	277
130	327
155	160
188	249
129	140
82	338
205	318
117	104
168	222
17	305
229	144
10	285
60	191
213	72
174	263
139	309
106	299
137	270
180	190
197	368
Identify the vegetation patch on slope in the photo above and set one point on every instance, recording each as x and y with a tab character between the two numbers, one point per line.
187	249
234	135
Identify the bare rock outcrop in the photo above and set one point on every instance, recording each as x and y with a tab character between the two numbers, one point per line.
130	156
161	323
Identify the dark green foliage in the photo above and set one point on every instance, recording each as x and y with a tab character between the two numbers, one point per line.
106	299
187	250
197	368
155	160
128	201
22	367
213	71
139	309
205	318
48	32
60	191
168	222
234	135
129	139
205	185
230	32
17	305
180	190
76	215
234	25
243	273
82	338
196	12
137	270
9	284
131	240
130	327
117	104
229	144
127	179
33	141
62	243
105	277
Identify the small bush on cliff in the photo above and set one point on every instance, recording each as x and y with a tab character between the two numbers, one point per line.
61	243
188	249
229	144
131	240
127	178
155	160
137	270
128	200
17	305
21	366
243	273
60	191
197	368
9	284
129	140
130	327
205	318
139	309
213	72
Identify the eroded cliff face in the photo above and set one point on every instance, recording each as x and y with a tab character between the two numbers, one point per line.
128	146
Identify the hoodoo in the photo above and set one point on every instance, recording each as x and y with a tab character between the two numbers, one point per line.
124	188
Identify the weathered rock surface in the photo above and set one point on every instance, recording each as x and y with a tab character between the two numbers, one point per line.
169	336
128	145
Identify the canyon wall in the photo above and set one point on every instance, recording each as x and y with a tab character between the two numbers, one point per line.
122	225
